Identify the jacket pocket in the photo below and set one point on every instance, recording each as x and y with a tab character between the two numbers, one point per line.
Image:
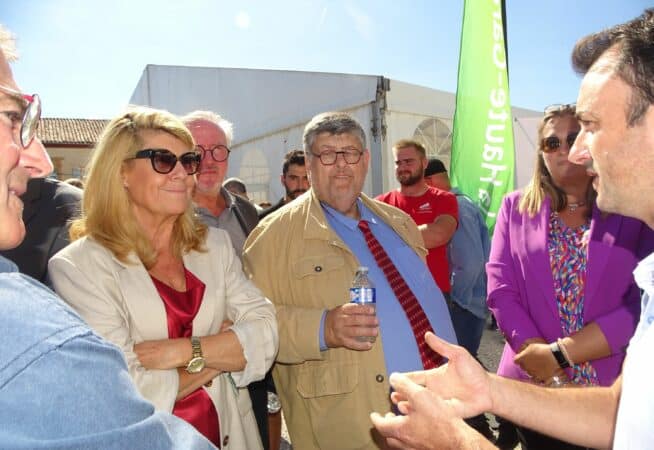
317	265
337	409
322	378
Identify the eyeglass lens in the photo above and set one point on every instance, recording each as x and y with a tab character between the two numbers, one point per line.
219	152
30	117
553	143
164	161
31	120
351	156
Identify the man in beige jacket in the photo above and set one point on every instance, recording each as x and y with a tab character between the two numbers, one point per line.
304	257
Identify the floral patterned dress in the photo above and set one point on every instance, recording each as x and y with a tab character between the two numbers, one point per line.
568	250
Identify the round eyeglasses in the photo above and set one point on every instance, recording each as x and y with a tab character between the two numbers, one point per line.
219	152
328	157
164	161
29	118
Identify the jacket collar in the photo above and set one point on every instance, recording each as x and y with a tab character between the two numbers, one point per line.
316	225
142	299
31	198
603	229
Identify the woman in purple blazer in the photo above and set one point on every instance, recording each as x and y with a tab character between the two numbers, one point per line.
560	280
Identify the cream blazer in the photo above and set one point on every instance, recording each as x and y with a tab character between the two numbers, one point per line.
121	303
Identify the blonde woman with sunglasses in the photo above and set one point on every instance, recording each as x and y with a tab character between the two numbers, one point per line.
560	277
148	276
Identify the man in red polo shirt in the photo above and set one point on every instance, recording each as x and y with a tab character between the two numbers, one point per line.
435	211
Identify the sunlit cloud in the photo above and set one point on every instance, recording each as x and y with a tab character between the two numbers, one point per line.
242	20
363	24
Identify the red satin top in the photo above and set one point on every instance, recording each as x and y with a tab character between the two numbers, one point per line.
181	308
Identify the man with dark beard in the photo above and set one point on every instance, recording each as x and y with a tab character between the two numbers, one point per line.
435	211
294	178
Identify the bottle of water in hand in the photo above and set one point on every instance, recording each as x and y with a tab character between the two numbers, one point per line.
362	292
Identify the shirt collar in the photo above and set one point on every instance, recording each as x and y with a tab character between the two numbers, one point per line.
346	221
644	273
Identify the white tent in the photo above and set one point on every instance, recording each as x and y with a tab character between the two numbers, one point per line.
269	109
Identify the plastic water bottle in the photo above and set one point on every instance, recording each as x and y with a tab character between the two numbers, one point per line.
362	292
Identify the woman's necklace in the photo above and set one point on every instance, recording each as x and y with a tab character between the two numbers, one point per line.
574	206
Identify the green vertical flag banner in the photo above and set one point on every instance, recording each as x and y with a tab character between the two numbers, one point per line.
482	140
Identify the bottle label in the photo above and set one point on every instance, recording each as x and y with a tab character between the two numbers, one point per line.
362	295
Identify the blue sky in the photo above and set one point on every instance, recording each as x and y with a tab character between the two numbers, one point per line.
85	57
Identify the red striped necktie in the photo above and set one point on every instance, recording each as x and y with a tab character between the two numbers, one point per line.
414	312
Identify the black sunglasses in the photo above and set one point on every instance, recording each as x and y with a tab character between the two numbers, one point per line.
553	143
164	161
558	108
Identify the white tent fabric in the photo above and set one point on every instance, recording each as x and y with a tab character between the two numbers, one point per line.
269	109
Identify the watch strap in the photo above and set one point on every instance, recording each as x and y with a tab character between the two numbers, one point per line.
559	356
196	347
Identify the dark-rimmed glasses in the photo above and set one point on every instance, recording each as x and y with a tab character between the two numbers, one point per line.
164	161
219	152
553	143
559	108
328	157
30	117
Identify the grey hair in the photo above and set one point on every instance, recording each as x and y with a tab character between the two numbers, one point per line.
332	123
216	119
8	44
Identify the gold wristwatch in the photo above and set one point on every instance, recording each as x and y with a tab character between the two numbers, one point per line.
196	364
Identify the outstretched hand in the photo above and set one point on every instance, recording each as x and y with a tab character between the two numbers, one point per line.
428	421
462	381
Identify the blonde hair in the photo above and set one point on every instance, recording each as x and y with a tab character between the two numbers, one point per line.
106	208
405	143
8	44
541	184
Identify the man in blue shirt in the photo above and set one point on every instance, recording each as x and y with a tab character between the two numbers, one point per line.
467	254
61	386
304	257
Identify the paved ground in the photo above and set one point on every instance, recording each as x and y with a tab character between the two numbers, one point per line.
490	352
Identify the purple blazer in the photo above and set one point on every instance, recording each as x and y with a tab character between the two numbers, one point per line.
521	285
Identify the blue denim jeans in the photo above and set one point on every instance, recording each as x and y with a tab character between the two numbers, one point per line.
468	327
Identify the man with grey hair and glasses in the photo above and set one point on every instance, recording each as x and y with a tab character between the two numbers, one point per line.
335	356
615	108
219	208
61	385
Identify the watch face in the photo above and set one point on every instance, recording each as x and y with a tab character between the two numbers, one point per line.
195	365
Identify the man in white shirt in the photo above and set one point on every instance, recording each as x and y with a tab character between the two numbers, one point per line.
616	143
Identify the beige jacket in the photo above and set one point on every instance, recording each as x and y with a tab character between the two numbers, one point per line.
302	265
121	303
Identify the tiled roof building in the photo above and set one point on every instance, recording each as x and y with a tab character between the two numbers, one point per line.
55	131
70	143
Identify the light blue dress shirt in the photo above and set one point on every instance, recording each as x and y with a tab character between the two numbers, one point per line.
400	347
64	387
468	253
